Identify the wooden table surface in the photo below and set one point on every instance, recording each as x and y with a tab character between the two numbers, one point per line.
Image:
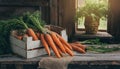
82	59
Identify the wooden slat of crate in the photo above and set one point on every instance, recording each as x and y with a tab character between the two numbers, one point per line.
28	53
27	43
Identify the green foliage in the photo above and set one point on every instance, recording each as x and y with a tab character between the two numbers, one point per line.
102	49
93	42
95	45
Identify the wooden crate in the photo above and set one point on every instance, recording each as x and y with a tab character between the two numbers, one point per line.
28	48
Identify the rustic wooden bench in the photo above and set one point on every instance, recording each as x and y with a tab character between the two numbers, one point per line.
86	59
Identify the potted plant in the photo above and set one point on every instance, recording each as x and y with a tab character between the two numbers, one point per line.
92	12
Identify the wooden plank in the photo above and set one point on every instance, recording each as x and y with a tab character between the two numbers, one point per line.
66	15
81	59
19	66
27	43
60	12
45	13
54	12
28	53
113	19
24	3
14	59
8	12
3	66
81	34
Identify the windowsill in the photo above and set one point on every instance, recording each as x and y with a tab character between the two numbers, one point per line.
81	34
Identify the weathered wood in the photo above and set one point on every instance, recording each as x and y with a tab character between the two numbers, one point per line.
112	58
66	15
113	18
24	3
81	34
97	59
14	59
10	8
8	12
3	66
54	12
63	14
86	59
19	66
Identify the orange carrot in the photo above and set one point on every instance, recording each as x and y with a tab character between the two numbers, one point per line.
52	45
32	33
68	51
57	41
79	45
44	43
63	41
38	35
78	49
60	52
19	37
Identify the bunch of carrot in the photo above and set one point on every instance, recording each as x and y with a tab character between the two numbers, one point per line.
78	47
28	32
56	43
50	39
59	45
53	40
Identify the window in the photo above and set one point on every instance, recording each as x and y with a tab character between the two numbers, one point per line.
87	12
103	20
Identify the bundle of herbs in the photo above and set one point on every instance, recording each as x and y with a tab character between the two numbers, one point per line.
96	46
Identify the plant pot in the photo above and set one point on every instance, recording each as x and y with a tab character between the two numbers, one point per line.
91	26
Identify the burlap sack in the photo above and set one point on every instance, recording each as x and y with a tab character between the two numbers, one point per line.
54	63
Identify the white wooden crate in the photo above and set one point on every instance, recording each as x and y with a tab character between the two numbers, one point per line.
28	53
27	43
24	47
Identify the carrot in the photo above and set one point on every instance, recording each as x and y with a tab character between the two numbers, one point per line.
38	35
44	43
32	33
78	49
79	45
63	41
19	37
60	52
68	51
52	45
57	41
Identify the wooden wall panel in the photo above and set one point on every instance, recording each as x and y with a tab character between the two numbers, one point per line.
114	18
63	15
9	8
54	12
68	13
8	12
